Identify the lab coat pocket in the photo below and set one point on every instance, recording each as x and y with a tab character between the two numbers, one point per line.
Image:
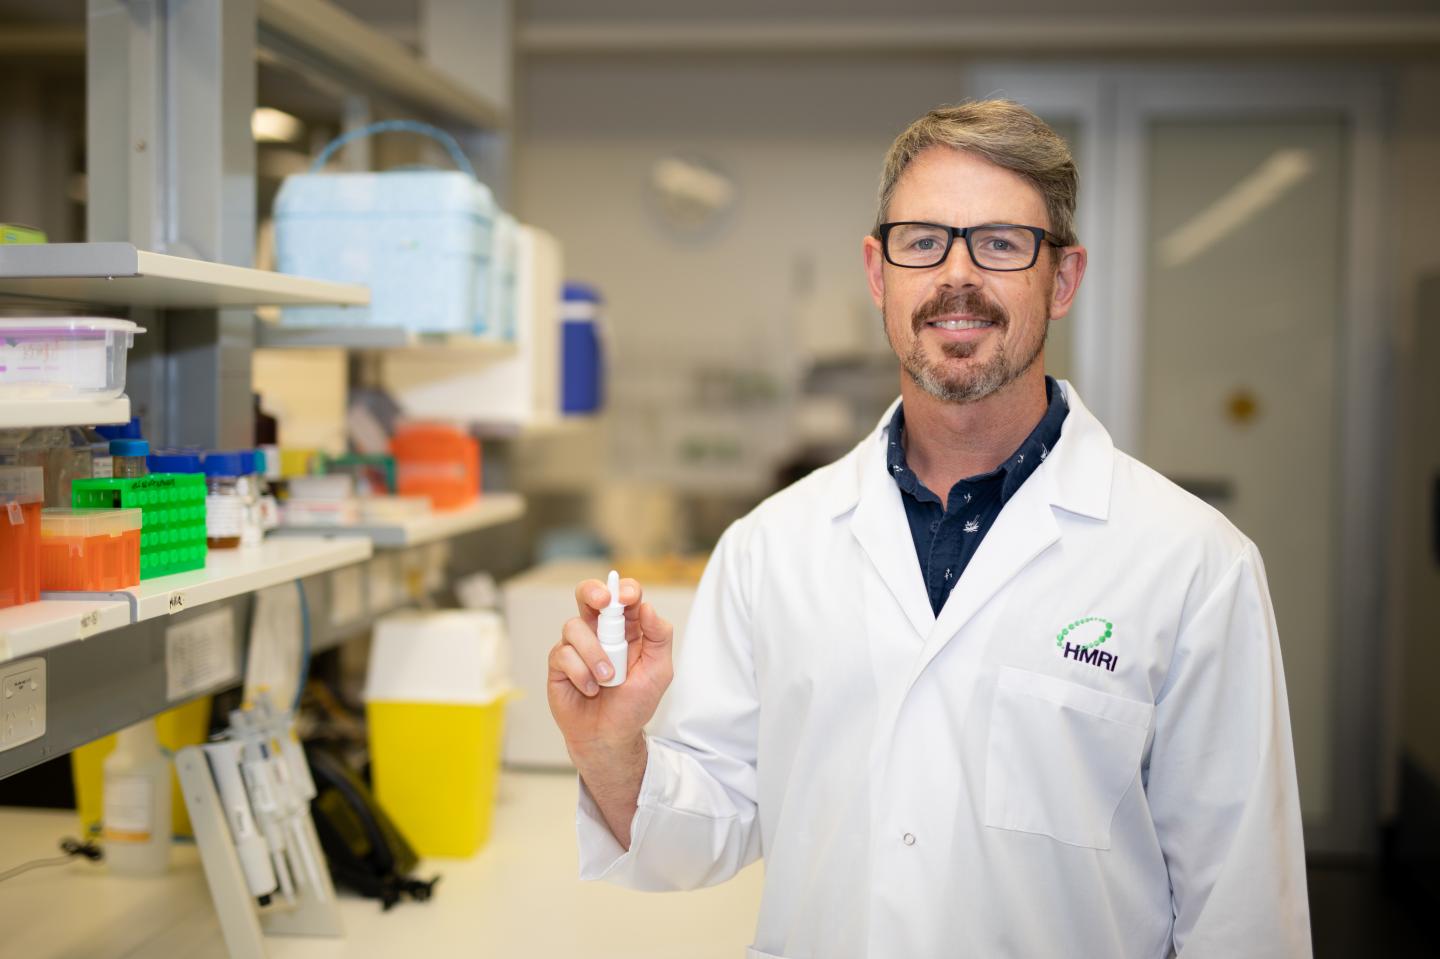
1061	757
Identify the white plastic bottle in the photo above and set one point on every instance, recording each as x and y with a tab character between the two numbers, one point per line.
611	631
137	804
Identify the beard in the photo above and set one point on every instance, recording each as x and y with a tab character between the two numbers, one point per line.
967	383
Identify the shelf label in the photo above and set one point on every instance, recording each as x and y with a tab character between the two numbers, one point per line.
177	601
200	653
88	622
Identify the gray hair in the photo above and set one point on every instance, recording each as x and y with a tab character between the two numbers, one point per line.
1007	135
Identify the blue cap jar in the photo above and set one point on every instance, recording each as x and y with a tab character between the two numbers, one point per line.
228	464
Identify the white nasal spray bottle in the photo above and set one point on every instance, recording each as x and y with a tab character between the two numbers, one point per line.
611	631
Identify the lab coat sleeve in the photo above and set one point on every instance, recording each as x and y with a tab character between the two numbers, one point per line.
1221	783
696	824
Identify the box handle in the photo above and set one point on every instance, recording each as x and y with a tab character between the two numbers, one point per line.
451	146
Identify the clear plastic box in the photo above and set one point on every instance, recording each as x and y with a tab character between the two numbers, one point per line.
89	549
49	357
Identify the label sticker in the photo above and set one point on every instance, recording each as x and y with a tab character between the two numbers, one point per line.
128	809
200	653
17	515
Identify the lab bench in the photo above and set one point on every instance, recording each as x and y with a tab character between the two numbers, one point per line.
518	897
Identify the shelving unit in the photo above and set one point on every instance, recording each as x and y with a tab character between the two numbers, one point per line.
361	338
57	620
321	33
119	274
491	509
170	165
36	627
15	413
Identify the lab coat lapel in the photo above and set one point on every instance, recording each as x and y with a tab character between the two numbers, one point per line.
1025	528
1075	478
880	526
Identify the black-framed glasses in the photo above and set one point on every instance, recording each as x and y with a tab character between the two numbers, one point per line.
1002	247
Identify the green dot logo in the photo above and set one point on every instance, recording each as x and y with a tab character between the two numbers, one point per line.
1086	633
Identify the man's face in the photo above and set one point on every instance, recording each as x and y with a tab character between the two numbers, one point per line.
961	332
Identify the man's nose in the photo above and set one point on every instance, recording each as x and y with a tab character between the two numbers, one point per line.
959	271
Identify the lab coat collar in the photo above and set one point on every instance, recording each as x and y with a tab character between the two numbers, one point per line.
1077	473
1075	477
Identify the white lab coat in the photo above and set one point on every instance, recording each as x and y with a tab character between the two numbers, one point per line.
963	786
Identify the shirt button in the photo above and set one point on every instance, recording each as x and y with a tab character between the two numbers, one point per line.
908	839
934	527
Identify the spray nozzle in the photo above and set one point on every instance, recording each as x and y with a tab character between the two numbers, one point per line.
613	584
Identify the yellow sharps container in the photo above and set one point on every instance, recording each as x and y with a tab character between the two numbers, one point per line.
435	704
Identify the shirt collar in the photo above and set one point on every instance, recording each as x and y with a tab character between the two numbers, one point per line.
1013	472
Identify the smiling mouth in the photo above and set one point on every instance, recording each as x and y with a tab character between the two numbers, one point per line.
960	323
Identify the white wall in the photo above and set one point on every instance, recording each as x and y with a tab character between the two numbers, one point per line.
803	142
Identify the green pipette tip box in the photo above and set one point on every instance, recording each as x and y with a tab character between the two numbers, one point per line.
172	534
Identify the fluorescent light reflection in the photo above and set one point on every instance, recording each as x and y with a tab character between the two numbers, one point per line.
269	125
1240	204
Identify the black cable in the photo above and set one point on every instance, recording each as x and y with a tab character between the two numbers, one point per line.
70	847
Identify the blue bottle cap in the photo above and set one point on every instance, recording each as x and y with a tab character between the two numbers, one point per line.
583	292
121	431
129	448
228	464
175	461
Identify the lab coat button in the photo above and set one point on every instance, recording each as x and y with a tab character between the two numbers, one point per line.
908	839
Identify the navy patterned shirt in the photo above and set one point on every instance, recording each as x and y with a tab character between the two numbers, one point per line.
947	534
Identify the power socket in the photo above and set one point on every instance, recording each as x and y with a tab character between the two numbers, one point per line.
22	702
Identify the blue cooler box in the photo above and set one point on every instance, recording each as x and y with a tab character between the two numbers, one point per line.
421	240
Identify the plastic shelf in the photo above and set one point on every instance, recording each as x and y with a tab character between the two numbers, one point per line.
118	274
15	413
278	336
35	627
492	509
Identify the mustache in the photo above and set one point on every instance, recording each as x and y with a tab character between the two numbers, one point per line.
968	301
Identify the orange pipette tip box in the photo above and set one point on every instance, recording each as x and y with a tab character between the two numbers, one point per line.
93	550
21	490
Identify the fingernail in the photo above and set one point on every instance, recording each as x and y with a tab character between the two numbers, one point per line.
591	688
604	671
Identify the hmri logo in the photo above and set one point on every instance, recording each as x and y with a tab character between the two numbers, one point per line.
1077	642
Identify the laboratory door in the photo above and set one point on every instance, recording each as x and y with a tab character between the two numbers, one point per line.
1234	347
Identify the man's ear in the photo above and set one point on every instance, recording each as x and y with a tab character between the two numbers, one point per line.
875	270
1068	274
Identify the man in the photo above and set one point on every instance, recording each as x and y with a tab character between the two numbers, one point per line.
986	686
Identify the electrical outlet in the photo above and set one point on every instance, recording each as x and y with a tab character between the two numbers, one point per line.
22	702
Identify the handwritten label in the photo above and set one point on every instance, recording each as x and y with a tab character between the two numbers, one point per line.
177	602
88	622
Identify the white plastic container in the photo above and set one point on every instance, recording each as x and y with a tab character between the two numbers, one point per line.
439	656
48	357
137	803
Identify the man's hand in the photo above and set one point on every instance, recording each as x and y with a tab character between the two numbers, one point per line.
604	726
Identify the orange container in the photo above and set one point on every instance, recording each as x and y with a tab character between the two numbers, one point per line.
22	490
90	549
436	461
